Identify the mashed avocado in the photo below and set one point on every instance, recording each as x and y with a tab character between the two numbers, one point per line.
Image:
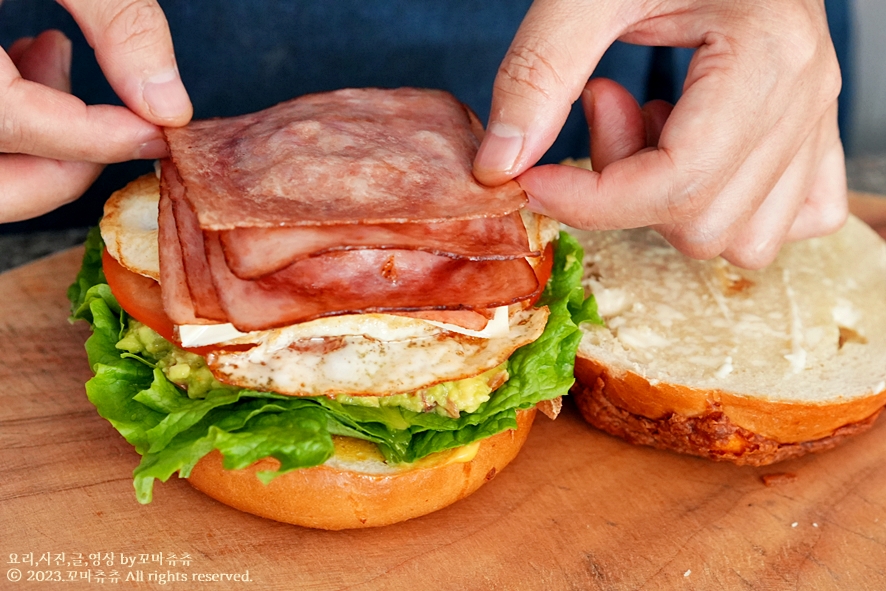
447	399
185	369
189	371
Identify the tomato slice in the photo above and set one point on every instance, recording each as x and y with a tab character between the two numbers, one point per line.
140	297
544	269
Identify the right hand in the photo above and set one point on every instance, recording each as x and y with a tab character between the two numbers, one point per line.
52	145
748	158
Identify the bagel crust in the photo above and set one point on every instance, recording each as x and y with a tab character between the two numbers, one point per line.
710	434
329	498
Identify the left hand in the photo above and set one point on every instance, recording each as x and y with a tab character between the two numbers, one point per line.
52	145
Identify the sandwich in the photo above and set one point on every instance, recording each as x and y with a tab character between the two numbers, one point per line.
315	314
751	367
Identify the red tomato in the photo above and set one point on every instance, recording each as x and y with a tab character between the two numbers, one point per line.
543	269
140	297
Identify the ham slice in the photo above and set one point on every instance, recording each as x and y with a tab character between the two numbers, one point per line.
254	252
189	238
176	295
361	281
347	202
367	156
470	319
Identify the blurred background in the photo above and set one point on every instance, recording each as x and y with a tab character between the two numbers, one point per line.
866	145
291	48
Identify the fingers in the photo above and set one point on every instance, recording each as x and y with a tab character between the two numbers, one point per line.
748	221
133	46
761	223
619	128
826	206
773	173
809	200
730	108
615	122
18	47
43	121
774	196
45	59
33	186
617	125
547	65
699	150
50	139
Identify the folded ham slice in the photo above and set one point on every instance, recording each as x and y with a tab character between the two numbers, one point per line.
175	292
254	252
193	252
347	202
368	280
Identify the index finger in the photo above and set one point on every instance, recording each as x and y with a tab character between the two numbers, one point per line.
548	63
43	121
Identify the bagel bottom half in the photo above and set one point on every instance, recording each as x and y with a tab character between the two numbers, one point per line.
366	493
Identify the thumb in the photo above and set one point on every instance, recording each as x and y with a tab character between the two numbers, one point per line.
554	52
133	46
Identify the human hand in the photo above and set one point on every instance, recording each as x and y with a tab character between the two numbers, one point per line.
52	145
749	157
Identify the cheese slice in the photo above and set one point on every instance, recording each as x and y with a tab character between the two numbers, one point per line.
382	327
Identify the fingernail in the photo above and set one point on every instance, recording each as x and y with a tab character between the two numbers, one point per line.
155	148
500	148
166	95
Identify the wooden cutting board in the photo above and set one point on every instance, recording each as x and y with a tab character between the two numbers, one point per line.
576	510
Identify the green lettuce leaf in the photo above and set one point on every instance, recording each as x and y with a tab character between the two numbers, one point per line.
172	431
90	275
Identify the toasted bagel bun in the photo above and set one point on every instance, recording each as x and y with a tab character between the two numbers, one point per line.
356	488
753	367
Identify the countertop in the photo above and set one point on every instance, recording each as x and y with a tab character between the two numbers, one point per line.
576	509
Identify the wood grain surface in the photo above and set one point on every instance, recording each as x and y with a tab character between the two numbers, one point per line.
576	510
